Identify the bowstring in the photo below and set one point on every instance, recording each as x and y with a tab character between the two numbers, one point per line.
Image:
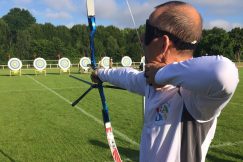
134	25
141	46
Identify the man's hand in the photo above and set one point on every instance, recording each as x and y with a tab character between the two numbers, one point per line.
94	77
150	72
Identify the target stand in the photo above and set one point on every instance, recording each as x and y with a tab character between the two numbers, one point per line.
40	66
84	63
64	65
15	65
40	72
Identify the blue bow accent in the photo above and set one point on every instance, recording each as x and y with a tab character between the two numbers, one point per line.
100	86
92	27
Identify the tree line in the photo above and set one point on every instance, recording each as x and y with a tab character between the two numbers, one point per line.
22	37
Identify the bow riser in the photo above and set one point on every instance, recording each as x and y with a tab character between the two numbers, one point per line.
92	27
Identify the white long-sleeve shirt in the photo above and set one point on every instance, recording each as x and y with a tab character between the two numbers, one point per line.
180	118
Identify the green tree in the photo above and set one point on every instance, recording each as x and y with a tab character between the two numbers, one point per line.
112	48
215	41
22	46
117	34
18	19
48	31
4	40
43	48
80	38
64	34
133	46
58	46
236	36
36	32
99	49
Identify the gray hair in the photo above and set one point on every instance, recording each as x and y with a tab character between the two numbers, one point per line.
179	23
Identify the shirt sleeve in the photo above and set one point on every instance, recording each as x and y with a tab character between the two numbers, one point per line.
207	83
126	78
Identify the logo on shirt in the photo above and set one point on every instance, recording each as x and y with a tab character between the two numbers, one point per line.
162	113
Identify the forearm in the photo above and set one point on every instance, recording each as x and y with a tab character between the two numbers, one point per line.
212	76
126	78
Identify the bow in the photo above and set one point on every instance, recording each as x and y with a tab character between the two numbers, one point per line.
100	86
106	119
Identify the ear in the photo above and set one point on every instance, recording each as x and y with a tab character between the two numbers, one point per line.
165	44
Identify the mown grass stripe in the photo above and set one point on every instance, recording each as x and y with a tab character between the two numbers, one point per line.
32	90
227	144
123	136
236	104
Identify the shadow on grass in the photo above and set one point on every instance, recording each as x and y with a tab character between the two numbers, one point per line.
7	156
215	158
7	75
131	154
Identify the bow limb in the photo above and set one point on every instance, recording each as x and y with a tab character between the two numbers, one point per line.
105	112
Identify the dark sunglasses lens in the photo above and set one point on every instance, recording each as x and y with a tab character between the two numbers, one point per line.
149	33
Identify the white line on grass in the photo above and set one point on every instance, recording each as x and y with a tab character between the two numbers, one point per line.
226	144
30	90
126	138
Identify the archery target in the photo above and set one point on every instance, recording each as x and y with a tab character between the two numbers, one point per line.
64	63
105	62
39	64
14	64
126	61
143	60
85	62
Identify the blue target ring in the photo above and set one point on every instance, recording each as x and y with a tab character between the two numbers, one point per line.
64	63
39	63
105	62
14	64
85	62
126	61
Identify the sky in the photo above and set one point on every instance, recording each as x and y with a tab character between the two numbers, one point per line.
226	14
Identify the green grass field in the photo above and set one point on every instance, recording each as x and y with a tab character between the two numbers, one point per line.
38	124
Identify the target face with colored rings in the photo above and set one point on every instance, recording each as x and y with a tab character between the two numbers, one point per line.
14	64
85	62
39	64
64	63
105	62
126	61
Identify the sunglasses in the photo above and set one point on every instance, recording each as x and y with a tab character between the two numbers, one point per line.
152	32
